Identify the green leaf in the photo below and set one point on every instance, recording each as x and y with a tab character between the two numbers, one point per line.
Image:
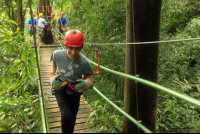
13	22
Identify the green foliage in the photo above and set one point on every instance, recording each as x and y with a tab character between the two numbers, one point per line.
179	66
101	119
176	14
19	107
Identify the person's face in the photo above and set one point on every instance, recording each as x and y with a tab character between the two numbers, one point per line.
61	15
52	16
73	52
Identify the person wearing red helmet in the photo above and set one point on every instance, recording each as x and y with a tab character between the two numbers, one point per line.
62	22
70	65
53	26
30	24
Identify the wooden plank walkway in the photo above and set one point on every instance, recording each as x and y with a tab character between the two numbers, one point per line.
52	107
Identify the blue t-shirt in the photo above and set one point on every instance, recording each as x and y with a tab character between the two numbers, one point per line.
30	22
62	21
70	70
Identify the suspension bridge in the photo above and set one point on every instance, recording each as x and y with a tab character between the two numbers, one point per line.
49	108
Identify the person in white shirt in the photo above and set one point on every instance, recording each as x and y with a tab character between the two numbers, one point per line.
41	24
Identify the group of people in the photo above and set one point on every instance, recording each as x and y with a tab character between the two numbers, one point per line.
67	69
61	24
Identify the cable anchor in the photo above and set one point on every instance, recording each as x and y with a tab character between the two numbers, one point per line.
94	46
137	75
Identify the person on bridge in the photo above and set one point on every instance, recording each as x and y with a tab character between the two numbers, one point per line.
30	24
53	27
70	64
41	24
62	21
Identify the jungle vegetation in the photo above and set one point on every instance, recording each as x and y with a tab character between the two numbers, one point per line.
102	21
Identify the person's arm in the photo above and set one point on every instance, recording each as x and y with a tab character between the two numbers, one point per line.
53	71
65	26
53	68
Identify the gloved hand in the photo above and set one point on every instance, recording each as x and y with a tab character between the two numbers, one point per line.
65	29
30	25
83	86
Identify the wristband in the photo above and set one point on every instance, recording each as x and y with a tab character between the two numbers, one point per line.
52	73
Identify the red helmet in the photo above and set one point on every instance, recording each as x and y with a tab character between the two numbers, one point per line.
52	13
33	14
61	13
74	38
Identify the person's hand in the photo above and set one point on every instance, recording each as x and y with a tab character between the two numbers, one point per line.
65	29
30	25
82	86
51	75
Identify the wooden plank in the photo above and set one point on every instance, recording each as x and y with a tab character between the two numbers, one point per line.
82	106
55	102
53	110
76	128
87	130
81	113
58	124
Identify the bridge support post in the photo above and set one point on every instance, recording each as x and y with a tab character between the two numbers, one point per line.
140	101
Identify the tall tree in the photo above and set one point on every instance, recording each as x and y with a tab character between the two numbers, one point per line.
140	101
19	15
10	11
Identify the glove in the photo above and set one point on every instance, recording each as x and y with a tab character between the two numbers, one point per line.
83	86
30	25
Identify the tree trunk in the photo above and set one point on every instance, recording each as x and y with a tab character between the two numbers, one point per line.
19	15
146	22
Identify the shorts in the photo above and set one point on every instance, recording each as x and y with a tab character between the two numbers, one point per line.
40	33
52	32
31	32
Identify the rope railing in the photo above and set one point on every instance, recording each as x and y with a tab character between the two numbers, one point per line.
154	85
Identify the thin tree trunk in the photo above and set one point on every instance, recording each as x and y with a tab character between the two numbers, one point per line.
19	15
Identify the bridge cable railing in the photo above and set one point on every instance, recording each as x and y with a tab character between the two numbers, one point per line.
45	122
153	85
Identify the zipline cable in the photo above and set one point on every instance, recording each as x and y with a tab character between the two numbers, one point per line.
153	42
